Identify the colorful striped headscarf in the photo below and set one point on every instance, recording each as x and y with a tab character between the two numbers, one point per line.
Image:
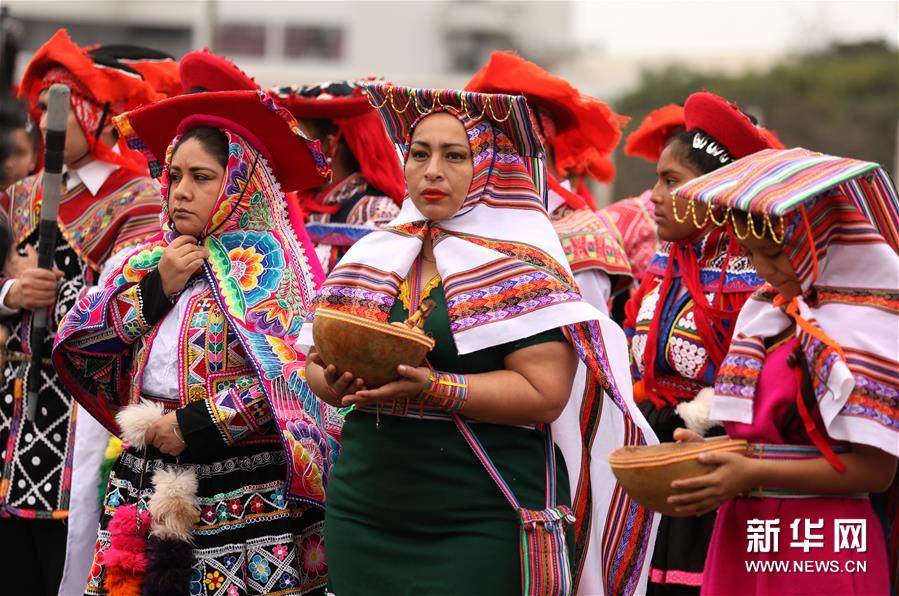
506	278
836	218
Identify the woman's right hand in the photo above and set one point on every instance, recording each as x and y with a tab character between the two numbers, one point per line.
180	260
337	385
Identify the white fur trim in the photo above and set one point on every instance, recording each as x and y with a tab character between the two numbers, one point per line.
696	412
135	420
173	506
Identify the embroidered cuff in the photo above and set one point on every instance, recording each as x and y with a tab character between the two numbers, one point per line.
156	303
239	415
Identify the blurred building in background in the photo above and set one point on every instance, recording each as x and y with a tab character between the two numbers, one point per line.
419	43
822	74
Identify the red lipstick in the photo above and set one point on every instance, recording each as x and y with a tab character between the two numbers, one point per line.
432	195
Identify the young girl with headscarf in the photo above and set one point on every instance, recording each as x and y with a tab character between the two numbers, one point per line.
809	380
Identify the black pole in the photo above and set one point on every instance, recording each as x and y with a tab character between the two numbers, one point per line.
57	117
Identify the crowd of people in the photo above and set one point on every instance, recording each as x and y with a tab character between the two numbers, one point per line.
190	437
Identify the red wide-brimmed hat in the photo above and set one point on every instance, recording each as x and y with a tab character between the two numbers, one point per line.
102	73
654	132
344	103
201	69
586	129
725	122
158	69
296	161
333	99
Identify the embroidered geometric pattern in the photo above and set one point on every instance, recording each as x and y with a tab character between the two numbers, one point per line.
285	557
261	287
588	244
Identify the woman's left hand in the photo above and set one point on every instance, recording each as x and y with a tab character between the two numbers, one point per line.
165	436
733	476
407	388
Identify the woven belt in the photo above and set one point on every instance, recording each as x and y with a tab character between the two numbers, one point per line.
794	452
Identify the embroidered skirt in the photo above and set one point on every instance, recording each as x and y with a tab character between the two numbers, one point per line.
249	540
412	511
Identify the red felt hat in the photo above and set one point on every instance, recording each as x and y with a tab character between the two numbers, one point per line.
296	161
336	99
204	70
359	124
158	69
725	122
586	129
103	77
654	132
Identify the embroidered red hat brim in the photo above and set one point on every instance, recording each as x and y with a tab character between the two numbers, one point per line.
653	134
586	128
723	120
204	70
296	161
106	85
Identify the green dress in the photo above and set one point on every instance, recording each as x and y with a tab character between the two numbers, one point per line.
411	510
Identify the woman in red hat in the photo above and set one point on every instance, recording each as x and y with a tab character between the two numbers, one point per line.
579	133
681	318
226	452
108	204
367	187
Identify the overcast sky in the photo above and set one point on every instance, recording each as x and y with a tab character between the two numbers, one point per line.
677	27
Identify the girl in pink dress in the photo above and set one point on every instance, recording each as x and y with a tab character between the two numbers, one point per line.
809	379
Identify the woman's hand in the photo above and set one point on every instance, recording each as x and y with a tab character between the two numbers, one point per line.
165	435
735	474
337	385
407	388
180	260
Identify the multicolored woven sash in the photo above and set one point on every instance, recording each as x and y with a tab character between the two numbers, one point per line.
783	452
545	565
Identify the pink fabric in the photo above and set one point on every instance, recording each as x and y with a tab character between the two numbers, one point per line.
673	576
819	571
